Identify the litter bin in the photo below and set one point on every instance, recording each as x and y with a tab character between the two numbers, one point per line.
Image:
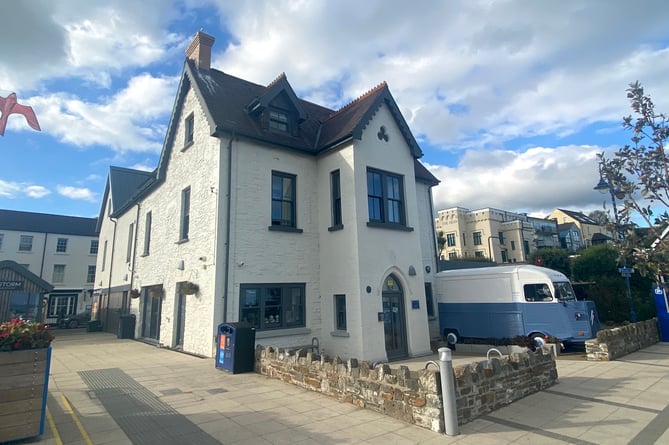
94	326
235	347
126	326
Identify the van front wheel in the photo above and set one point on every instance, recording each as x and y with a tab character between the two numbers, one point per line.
538	339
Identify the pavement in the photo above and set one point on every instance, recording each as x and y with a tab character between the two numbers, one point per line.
105	390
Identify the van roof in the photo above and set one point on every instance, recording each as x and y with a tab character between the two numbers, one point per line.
527	269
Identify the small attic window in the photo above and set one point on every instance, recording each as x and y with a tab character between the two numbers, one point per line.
278	121
189	130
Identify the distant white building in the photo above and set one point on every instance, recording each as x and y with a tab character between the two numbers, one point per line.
61	250
300	220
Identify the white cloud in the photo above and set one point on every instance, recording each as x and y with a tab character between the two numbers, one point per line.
132	120
12	190
78	193
534	181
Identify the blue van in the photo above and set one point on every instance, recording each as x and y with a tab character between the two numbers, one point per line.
510	301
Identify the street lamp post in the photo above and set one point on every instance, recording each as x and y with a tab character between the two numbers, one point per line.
603	186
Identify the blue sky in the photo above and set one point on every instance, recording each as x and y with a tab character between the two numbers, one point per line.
509	100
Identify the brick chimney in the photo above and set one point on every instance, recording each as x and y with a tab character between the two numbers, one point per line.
199	50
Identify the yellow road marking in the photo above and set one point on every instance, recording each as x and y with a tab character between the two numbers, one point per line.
52	426
70	411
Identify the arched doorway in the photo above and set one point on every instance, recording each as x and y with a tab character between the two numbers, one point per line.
394	324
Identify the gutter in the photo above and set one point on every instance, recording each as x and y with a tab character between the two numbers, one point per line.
134	254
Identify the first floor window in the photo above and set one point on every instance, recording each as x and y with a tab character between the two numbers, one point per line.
479	254
94	247
90	274
500	236
340	312
283	199
526	247
450	239
61	245
185	214
477	239
26	243
452	255
58	273
513	245
385	197
272	306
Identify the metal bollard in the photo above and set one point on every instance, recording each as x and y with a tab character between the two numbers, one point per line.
445	364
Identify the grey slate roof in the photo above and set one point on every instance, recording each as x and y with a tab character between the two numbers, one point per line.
231	105
580	217
47	223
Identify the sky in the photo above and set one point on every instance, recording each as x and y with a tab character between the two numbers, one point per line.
510	101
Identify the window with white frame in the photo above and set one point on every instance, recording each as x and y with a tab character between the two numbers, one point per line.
58	273
61	305
61	245
26	243
90	274
94	247
272	306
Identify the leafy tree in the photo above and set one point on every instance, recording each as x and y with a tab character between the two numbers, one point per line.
599	265
639	176
554	258
600	216
441	242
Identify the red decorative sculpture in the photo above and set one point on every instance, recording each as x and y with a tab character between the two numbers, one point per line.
9	105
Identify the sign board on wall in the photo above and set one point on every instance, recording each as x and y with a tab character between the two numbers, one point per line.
11	285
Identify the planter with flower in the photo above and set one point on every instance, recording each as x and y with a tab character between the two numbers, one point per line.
25	358
135	293
189	288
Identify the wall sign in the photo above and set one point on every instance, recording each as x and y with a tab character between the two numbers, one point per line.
11	285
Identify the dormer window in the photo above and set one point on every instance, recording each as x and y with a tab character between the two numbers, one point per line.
278	121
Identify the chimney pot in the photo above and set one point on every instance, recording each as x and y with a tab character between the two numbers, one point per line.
199	50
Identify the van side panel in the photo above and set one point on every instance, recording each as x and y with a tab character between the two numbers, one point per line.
482	320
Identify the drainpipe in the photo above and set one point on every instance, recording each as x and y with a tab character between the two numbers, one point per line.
134	255
111	269
41	268
434	233
227	231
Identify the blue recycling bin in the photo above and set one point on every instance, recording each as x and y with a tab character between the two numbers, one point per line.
235	347
662	305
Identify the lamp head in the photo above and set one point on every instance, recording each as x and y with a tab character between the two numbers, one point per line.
602	186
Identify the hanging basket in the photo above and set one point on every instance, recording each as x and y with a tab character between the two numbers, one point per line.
189	288
135	293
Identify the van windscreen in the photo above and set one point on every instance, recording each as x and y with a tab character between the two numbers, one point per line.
563	290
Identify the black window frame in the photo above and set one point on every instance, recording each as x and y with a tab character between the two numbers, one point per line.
335	194
500	236
386	208
450	239
340	312
184	224
429	300
266	306
478	238
286	220
278	120
147	233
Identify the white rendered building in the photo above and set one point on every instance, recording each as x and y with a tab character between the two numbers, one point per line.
300	220
61	250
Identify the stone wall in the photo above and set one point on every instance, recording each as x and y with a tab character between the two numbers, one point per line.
611	344
414	396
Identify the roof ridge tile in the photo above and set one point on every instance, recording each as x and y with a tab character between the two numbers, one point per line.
363	96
